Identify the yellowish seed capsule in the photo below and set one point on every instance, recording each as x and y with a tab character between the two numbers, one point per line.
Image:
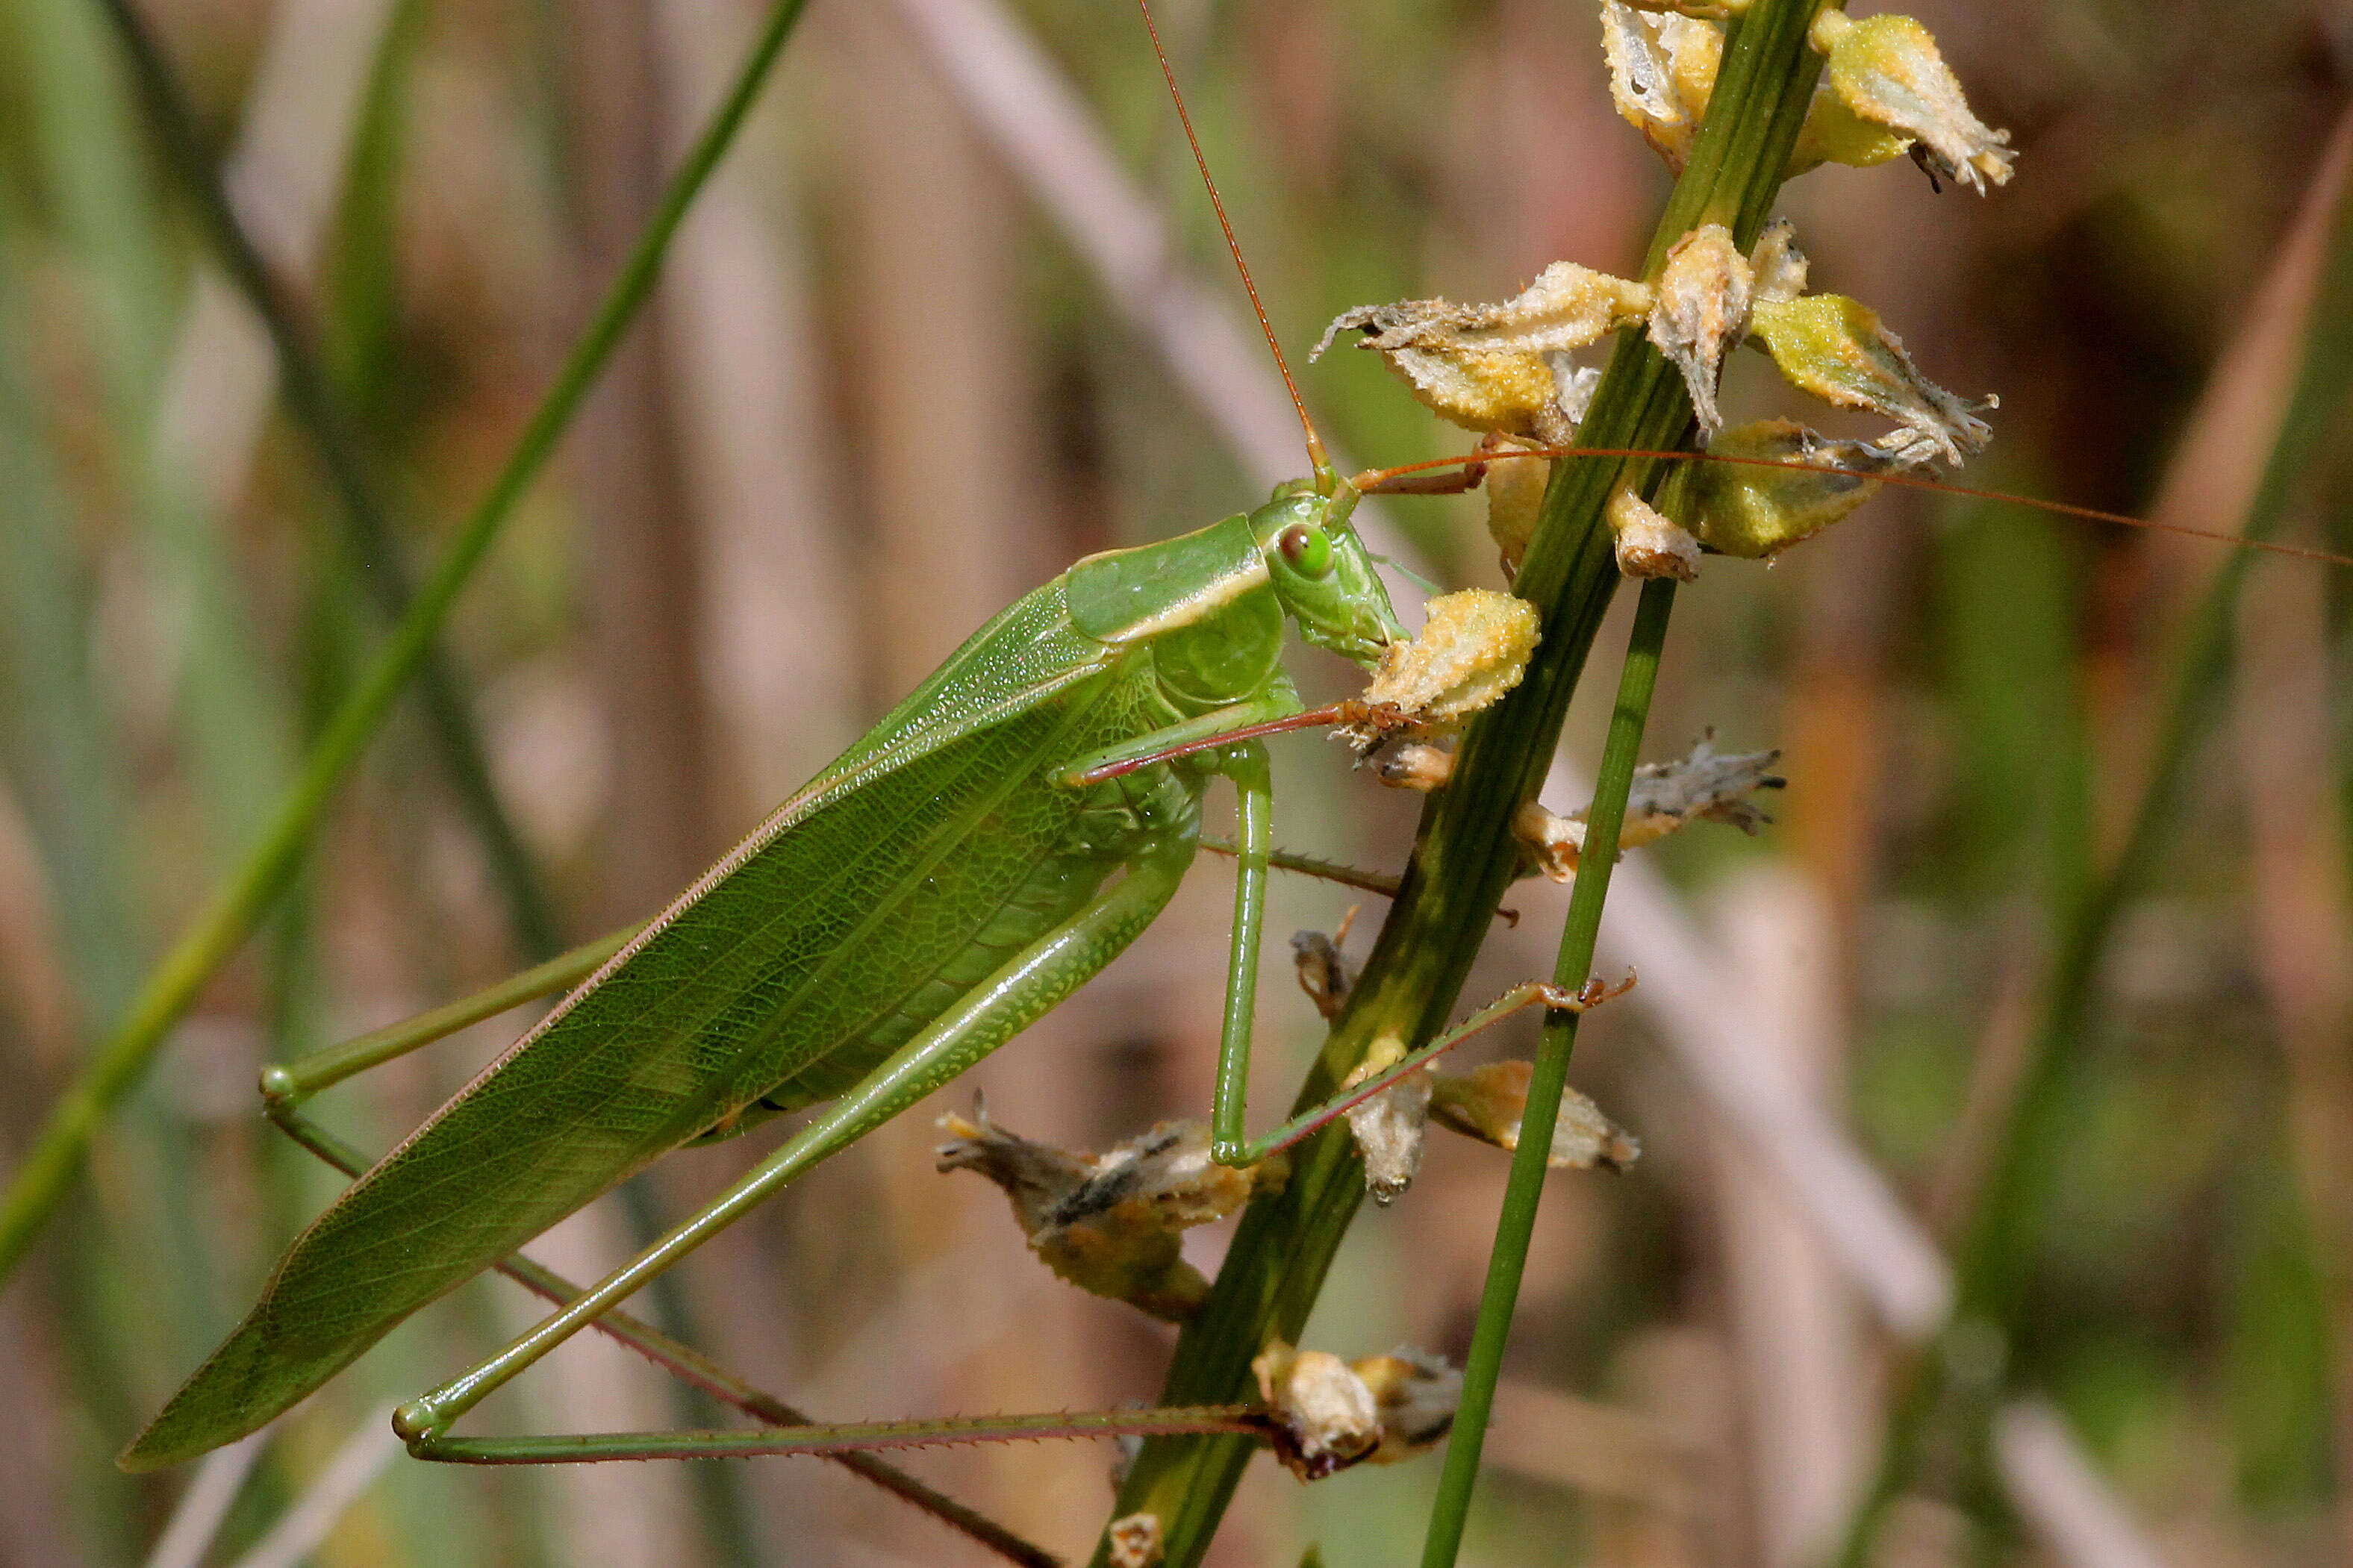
1488	1103
1838	349
1473	647
1885	72
1740	508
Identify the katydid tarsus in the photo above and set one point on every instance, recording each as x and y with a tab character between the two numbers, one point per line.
937	889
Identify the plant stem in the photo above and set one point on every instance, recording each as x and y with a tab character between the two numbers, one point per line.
226	922
1516	1225
1465	855
365	516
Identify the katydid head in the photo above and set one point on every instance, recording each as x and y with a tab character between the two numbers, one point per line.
1322	574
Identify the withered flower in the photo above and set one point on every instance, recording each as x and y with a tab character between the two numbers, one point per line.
1500	369
1111	1224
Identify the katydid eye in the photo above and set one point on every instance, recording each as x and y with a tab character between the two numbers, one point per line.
1306	549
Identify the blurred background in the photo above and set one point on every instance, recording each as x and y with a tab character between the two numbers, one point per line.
923	342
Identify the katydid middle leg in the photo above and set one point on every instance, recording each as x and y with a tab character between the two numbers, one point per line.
1527	993
1229	1143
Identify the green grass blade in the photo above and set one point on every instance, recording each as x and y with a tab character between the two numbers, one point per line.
365	518
46	1171
1525	1190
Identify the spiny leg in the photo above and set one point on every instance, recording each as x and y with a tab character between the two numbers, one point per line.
1529	993
1379	883
1018	993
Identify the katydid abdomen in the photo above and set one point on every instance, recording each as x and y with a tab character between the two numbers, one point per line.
897	886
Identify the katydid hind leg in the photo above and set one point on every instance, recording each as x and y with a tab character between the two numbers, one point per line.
1527	993
1019	993
697	1371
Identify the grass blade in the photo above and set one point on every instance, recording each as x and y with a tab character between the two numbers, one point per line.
46	1171
365	516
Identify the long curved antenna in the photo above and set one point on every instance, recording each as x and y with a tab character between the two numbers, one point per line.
1374	481
1322	463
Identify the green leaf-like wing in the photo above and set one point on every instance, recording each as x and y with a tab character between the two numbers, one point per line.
903	875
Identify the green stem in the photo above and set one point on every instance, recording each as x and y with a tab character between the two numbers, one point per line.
1595	861
365	516
226	923
1465	855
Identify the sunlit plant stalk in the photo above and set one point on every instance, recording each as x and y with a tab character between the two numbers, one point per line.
1465	855
46	1171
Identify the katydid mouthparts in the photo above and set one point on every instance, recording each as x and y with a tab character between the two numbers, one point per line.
941	886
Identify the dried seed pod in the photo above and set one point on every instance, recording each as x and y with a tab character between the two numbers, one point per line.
1324	1417
1416	1395
1134	1541
1650	543
1705	785
1553	842
1741	509
1701	313
1836	348
1111	1224
1777	266
1886	71
1515	488
1389	1127
1489	1102
1473	647
1500	369
1412	764
1662	71
1325	971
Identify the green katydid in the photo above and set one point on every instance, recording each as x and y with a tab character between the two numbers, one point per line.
946	882
994	841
